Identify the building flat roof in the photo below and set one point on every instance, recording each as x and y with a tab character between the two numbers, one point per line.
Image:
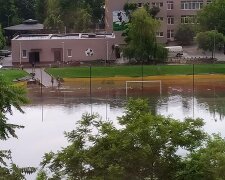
25	27
64	36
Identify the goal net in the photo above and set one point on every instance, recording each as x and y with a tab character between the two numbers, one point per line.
156	81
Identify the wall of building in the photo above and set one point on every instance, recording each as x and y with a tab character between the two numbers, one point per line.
167	29
81	49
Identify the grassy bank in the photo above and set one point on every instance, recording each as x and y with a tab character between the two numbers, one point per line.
11	74
136	71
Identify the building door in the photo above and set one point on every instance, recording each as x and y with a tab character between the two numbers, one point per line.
34	57
57	55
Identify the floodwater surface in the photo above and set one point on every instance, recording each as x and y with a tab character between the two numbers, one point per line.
57	110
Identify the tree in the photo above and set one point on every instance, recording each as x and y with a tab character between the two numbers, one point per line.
153	11
211	17
129	8
141	37
82	24
2	38
8	13
53	20
185	34
26	9
97	10
144	148
10	96
207	163
41	10
210	41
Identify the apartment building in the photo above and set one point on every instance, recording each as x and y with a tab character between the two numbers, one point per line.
172	13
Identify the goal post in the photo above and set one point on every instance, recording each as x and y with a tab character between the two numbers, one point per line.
156	81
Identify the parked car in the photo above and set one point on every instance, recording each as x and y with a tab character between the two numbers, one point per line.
5	53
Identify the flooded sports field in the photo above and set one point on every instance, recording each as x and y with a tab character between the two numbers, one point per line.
53	111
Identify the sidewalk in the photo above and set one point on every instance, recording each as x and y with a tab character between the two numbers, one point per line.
41	75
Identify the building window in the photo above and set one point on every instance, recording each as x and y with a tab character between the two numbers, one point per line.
159	18
157	4
24	53
170	34
159	34
169	5
69	52
170	20
188	19
192	5
139	4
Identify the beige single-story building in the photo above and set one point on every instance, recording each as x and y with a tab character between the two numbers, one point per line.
63	48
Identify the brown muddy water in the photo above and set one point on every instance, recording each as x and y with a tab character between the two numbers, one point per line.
53	111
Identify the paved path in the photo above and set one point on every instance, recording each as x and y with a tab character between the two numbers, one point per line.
44	77
6	61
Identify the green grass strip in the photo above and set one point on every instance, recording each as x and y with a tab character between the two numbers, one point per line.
136	71
11	74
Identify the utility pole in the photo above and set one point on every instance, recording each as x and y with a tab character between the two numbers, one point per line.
214	44
8	15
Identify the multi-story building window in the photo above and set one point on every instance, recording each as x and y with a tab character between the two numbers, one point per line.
169	5
159	18
170	34
170	19
190	19
192	5
157	4
139	4
159	34
208	1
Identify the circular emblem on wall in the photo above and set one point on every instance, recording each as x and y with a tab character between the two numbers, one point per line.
89	52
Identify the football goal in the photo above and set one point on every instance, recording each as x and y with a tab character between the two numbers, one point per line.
156	81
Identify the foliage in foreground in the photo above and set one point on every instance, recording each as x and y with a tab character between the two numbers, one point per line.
10	96
208	163
144	147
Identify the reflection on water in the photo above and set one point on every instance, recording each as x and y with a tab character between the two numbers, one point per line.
47	117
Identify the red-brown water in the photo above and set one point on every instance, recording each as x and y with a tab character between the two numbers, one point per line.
57	110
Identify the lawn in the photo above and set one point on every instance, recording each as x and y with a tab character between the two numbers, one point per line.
11	74
136	71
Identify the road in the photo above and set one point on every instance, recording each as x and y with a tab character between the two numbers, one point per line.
193	51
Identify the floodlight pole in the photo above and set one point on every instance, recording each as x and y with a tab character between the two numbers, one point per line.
107	52
90	89
20	53
41	80
214	44
63	45
142	74
193	88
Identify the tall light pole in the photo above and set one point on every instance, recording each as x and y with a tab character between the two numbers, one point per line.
214	44
8	15
20	53
107	52
63	45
